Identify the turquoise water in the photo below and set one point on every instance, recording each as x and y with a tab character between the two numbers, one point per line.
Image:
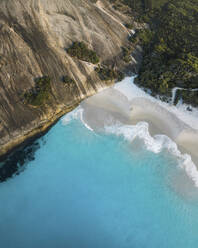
88	190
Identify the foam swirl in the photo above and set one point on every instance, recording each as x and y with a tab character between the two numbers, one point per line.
126	110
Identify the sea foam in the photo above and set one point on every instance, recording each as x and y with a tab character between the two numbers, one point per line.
157	143
76	114
131	91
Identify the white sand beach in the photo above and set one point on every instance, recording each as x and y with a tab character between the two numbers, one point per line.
121	105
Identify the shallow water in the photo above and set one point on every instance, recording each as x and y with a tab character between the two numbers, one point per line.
112	188
97	190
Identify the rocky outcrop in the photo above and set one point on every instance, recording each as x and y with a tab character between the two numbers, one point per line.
34	36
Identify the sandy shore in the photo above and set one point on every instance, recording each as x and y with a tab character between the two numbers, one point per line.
111	106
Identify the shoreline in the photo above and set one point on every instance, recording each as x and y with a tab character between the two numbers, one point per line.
44	126
29	137
113	106
115	101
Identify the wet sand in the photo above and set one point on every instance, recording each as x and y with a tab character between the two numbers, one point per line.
111	106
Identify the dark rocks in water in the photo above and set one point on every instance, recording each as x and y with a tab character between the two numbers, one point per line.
15	163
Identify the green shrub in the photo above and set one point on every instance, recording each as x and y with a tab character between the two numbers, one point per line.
170	50
109	74
38	95
129	25
68	80
170	57
126	52
82	52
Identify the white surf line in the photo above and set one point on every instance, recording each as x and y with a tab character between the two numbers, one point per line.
120	98
76	114
131	90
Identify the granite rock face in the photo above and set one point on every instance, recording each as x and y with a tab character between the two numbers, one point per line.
34	36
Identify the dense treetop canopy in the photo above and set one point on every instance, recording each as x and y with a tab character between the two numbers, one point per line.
170	46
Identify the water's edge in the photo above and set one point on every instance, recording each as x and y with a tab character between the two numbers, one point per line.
12	162
27	138
21	151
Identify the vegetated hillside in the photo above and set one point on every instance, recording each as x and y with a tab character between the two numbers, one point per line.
49	51
144	5
138	7
171	50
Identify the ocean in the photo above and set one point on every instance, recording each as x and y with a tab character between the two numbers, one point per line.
104	189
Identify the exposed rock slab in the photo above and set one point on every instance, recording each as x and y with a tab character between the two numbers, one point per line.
34	35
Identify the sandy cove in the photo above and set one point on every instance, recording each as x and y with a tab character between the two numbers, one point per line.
111	106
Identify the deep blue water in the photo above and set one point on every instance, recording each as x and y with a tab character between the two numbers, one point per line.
87	190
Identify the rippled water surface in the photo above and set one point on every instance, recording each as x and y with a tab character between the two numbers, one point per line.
86	190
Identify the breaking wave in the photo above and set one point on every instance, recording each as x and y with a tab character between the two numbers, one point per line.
76	114
156	143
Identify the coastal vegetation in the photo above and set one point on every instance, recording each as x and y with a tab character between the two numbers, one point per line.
82	52
170	50
70	84
170	56
68	80
129	25
126	53
39	94
137	7
109	74
141	6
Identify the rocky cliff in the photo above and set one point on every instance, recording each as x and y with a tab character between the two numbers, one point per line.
34	37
